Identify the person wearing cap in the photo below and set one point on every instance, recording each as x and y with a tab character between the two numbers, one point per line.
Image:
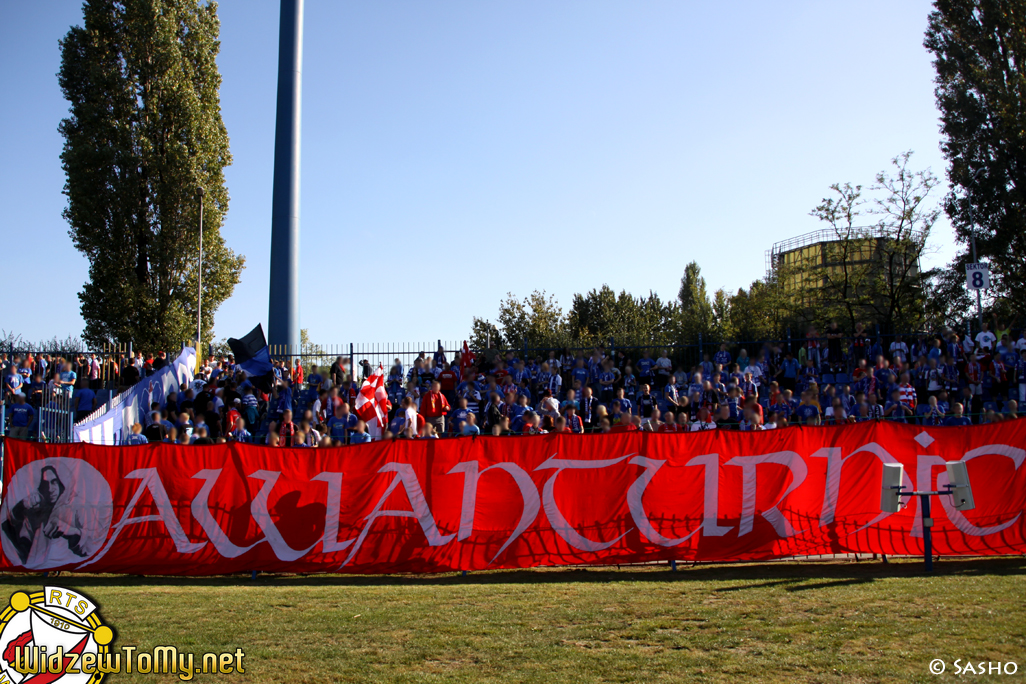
234	414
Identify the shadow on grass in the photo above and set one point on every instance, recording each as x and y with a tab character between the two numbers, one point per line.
805	574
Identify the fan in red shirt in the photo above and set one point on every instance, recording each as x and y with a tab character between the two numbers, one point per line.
625	426
447	380
434	407
287	429
668	425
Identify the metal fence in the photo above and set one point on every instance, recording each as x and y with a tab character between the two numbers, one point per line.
104	374
684	355
383	354
55	407
56	418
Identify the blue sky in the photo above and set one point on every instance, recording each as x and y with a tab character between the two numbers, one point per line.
456	151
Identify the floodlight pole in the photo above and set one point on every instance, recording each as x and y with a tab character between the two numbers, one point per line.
283	310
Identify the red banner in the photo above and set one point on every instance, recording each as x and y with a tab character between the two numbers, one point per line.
504	502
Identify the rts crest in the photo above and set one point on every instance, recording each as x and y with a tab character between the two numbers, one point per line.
54	635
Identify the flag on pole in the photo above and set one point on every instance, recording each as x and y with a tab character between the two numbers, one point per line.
372	403
252	355
467	359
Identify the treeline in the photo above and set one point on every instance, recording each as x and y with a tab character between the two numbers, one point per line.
538	322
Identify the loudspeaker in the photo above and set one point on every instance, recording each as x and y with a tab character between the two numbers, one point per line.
962	494
893	474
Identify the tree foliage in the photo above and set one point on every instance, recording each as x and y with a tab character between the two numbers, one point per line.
534	321
604	317
143	135
979	49
696	311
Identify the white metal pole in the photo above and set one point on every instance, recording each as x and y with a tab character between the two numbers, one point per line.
199	285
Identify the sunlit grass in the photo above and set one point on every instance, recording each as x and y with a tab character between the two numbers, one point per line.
836	621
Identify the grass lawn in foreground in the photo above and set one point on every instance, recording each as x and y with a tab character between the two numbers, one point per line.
832	621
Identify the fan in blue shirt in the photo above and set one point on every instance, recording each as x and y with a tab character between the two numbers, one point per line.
339	427
84	399
805	413
240	435
458	416
580	373
359	438
13	382
645	365
22	414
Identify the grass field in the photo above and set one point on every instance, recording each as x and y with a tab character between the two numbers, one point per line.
836	621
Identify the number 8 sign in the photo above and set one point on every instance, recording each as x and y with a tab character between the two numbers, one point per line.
977	276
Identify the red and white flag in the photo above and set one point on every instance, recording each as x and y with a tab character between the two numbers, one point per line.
372	403
467	359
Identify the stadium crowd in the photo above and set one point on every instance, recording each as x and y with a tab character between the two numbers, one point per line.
826	378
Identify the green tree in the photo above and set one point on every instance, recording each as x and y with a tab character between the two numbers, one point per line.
722	326
143	136
696	315
601	315
979	49
482	332
756	313
534	322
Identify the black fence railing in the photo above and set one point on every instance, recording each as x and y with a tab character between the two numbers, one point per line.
839	354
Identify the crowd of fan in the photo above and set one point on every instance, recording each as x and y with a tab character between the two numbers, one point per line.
826	378
76	384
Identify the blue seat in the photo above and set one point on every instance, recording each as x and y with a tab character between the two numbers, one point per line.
841	379
921	410
828	378
990	406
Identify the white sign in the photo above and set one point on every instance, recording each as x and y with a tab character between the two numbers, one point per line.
977	276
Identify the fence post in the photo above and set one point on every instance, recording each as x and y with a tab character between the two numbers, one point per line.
699	346
3	430
71	419
789	338
352	364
